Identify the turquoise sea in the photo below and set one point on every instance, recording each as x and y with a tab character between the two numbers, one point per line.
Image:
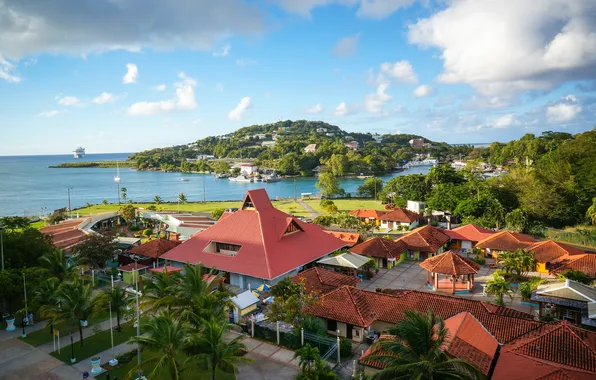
29	188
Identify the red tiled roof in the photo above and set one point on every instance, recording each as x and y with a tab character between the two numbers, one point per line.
323	280
469	340
424	239
65	225
509	367
546	251
450	263
380	247
469	232
584	263
347	237
376	350
132	267
168	268
260	229
401	215
65	234
155	248
506	241
368	213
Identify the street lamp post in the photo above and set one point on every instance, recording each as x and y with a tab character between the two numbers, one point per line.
69	214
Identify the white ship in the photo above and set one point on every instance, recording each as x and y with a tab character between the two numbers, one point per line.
240	179
79	152
426	162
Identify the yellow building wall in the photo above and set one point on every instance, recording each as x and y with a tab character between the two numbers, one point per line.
247	310
541	267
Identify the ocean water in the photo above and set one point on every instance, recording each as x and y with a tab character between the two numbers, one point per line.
29	188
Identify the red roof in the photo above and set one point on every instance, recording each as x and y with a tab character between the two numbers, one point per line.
380	247
401	215
347	237
271	242
132	267
323	280
450	263
546	251
155	248
506	241
469	232
65	234
367	213
424	239
583	263
168	268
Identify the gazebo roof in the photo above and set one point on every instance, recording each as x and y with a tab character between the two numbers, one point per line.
450	263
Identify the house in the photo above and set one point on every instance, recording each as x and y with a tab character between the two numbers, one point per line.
268	144
547	252
368	215
347	263
243	304
329	134
349	238
148	253
584	263
400	218
320	280
257	244
417	143
131	272
424	242
248	169
66	234
466	237
357	313
311	148
378	138
386	253
318	169
321	130
504	241
416	206
354	145
569	300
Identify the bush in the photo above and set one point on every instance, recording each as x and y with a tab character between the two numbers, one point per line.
148	232
345	348
152	208
329	206
526	288
217	213
479	260
575	275
126	357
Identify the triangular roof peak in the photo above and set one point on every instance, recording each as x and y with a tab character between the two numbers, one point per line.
256	200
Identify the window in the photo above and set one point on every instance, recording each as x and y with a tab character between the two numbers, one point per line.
292	227
331	325
357	333
223	248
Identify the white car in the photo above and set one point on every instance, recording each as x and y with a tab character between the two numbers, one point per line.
131	290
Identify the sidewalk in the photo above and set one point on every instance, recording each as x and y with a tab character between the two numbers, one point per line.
106	356
16	333
306	206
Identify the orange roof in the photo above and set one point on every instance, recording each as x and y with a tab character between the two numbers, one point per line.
132	267
155	248
450	263
376	350
470	341
323	280
367	213
271	242
401	215
65	234
546	251
167	268
347	237
506	241
380	247
424	239
469	232
584	263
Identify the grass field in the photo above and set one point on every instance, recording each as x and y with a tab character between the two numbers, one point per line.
95	344
43	336
345	205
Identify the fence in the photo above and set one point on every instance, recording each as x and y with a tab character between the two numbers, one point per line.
327	346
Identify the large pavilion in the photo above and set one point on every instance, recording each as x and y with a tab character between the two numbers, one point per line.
459	272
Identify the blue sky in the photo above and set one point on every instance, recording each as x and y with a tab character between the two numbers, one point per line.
127	75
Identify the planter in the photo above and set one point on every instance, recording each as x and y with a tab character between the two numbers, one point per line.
10	324
95	362
84	323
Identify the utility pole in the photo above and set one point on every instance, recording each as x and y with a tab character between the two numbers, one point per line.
294	189
70	188
204	193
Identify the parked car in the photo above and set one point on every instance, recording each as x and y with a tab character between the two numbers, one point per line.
131	290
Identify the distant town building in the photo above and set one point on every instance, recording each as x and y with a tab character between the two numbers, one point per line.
321	130
354	145
416	206
378	138
268	144
310	148
330	134
417	143
248	169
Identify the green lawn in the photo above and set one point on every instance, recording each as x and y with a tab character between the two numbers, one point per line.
95	344
345	205
190	374
43	336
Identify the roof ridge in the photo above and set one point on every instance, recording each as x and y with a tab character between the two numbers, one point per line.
263	242
571	329
349	290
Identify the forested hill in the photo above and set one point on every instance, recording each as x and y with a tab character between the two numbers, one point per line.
281	146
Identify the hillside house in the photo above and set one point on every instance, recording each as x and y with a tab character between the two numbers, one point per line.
400	218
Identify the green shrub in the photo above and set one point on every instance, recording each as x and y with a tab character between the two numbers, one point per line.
126	357
479	260
217	213
152	208
575	275
526	288
148	232
329	206
345	348
133	228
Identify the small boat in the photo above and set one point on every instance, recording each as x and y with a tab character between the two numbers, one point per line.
183	179
221	175
240	179
117	177
271	178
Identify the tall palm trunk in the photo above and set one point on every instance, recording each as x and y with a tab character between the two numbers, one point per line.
213	372
81	333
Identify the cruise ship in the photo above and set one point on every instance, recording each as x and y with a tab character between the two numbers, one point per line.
79	152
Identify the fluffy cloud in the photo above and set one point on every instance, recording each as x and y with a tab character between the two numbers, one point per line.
51	113
401	71
132	74
7	71
316	109
375	9
422	91
245	62
68	101
375	103
104	98
342	110
504	121
31	27
224	51
346	46
160	87
563	112
237	113
502	48
183	100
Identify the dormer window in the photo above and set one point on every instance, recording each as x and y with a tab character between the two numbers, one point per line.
223	248
248	203
293	227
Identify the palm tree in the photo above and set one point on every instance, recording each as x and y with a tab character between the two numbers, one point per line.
159	293
211	349
518	262
312	365
104	202
123	190
56	264
168	338
498	287
182	198
417	352
591	213
119	300
157	199
45	298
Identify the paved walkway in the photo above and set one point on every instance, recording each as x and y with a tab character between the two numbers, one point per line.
313	213
16	333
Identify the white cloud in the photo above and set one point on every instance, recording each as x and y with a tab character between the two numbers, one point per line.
224	51
316	109
342	110
504	121
375	103
241	62
69	101
401	71
132	74
422	91
502	48
51	113
237	113
183	100
104	98
160	87
562	112
346	46
7	70
83	27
